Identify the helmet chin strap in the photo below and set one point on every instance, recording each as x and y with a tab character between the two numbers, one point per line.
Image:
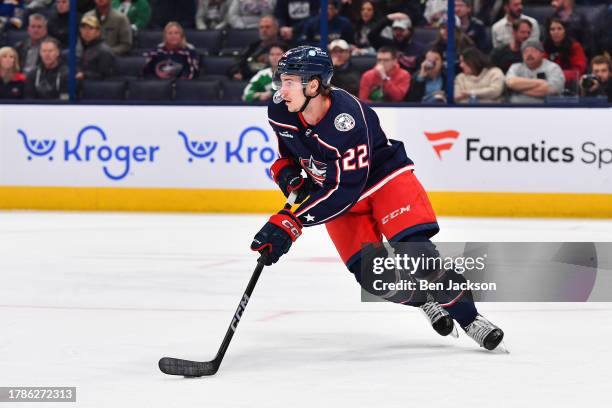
308	98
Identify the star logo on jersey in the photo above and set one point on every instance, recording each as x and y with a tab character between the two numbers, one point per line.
441	141
315	169
344	122
309	218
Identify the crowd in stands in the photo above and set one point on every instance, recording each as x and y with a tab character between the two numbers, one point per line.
516	51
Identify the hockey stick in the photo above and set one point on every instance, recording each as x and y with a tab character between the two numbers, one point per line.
188	368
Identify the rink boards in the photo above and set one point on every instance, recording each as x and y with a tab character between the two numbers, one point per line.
479	161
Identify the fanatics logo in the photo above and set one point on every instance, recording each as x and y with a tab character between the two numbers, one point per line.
442	141
344	122
315	169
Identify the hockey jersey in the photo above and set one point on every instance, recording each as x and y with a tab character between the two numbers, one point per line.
346	154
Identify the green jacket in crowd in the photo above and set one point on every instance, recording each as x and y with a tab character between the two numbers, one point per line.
139	12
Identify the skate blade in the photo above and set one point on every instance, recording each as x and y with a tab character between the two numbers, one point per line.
501	348
454	333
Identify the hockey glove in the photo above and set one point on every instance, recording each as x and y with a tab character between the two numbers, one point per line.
289	178
276	237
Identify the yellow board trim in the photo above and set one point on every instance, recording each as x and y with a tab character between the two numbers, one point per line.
257	201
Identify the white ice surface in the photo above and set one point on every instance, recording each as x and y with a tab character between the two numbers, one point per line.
94	300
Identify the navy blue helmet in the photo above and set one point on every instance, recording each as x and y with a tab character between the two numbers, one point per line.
305	61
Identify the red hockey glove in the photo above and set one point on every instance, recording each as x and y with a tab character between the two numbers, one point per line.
289	178
277	236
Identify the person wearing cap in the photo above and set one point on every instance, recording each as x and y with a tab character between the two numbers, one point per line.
115	27
409	51
502	30
97	60
346	76
387	81
337	27
532	80
471	26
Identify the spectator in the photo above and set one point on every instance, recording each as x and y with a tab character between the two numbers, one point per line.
292	14
11	14
174	58
59	20
576	23
97	60
503	57
259	87
253	58
181	11
12	81
387	81
337	27
598	83
50	78
211	14
116	30
480	80
462	41
434	10
368	18
345	75
564	51
247	13
502	30
532	80
138	12
408	49
471	26
28	49
430	83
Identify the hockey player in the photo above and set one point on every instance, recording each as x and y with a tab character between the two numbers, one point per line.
355	177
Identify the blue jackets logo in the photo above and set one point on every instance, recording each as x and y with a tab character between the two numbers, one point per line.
198	149
91	146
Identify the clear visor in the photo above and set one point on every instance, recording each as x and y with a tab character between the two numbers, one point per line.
288	81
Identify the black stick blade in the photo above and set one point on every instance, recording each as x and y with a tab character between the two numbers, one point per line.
187	368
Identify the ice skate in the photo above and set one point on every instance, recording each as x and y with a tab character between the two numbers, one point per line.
439	318
485	333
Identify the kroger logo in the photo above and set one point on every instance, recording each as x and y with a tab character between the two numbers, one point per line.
246	150
91	146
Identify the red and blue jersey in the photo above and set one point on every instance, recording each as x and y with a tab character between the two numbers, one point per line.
346	155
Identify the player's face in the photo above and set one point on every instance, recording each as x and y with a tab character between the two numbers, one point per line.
292	92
